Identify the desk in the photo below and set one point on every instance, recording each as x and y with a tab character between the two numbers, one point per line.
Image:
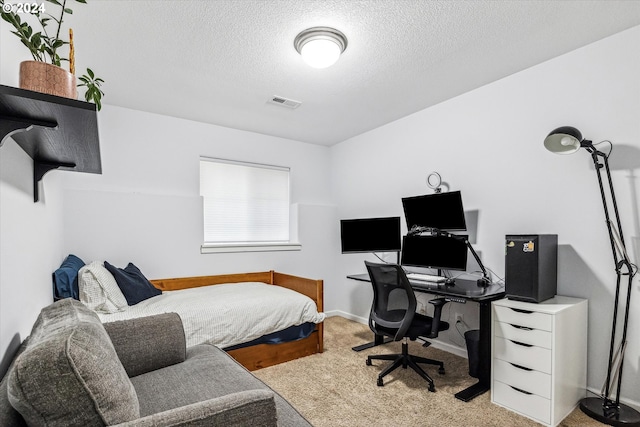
470	291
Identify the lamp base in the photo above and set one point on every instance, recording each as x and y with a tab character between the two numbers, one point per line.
620	416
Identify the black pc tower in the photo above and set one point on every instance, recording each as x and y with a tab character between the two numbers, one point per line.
531	267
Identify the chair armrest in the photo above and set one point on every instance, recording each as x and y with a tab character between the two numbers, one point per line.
251	408
148	343
437	303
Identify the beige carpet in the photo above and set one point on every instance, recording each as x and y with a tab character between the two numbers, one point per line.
336	388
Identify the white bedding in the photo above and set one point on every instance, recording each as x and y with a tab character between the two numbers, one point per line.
228	314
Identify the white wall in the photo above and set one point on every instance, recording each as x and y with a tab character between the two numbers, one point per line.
488	144
30	243
145	207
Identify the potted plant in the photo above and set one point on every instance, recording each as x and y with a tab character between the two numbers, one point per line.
44	73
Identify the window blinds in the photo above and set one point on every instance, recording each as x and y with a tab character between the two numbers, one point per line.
244	202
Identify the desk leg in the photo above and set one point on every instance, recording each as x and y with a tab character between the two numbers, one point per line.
378	340
484	370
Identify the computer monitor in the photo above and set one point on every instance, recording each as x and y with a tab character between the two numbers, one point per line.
441	252
443	211
370	235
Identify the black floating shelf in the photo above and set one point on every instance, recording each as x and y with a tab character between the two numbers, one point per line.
57	133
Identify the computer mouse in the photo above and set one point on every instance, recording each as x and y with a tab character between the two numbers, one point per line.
449	282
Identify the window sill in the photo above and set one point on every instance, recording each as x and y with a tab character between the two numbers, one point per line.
211	248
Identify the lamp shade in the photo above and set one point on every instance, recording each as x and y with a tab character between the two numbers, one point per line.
320	53
564	140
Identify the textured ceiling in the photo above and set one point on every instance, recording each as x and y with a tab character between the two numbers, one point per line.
220	61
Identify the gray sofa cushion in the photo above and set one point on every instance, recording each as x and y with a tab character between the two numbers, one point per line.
207	373
69	374
148	343
251	408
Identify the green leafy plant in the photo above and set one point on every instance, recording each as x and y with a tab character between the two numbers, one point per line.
44	45
92	83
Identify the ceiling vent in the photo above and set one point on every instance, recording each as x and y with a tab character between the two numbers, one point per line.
289	103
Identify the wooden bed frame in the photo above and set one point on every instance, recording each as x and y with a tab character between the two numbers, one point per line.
263	355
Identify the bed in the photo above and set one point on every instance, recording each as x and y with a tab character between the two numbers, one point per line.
187	296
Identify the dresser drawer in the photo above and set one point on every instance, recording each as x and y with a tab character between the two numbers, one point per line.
526	318
522	334
533	357
535	382
522	401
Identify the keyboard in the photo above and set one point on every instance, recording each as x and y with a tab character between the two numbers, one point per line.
425	286
426	278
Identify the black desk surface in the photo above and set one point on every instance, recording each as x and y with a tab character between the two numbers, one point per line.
467	289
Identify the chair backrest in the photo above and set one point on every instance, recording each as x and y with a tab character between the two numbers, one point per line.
394	303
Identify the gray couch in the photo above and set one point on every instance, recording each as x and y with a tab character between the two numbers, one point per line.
74	371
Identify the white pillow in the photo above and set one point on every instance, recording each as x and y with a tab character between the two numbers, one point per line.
99	290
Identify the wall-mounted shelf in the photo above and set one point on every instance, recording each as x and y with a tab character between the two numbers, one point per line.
57	133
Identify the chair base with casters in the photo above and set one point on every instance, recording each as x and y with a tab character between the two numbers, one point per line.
406	360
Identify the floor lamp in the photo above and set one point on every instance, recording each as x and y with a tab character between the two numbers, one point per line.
568	140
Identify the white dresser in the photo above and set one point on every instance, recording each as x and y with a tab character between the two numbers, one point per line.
539	357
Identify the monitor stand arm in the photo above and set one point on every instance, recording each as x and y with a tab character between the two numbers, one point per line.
485	280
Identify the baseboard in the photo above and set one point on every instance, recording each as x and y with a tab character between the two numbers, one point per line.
449	348
332	313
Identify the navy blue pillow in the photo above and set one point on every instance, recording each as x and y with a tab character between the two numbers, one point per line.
65	278
134	286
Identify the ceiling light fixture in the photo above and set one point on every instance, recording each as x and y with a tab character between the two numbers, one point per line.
320	47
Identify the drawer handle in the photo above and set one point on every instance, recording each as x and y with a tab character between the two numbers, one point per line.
521	343
524	328
519	310
521	367
520	390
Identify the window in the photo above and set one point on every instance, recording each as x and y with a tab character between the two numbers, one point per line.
245	206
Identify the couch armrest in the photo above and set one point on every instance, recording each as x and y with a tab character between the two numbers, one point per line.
251	408
148	343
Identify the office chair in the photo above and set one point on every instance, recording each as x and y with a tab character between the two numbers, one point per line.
393	314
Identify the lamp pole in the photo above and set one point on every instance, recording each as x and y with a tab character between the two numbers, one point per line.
606	410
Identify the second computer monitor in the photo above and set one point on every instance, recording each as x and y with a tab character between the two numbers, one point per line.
370	234
440	252
443	211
